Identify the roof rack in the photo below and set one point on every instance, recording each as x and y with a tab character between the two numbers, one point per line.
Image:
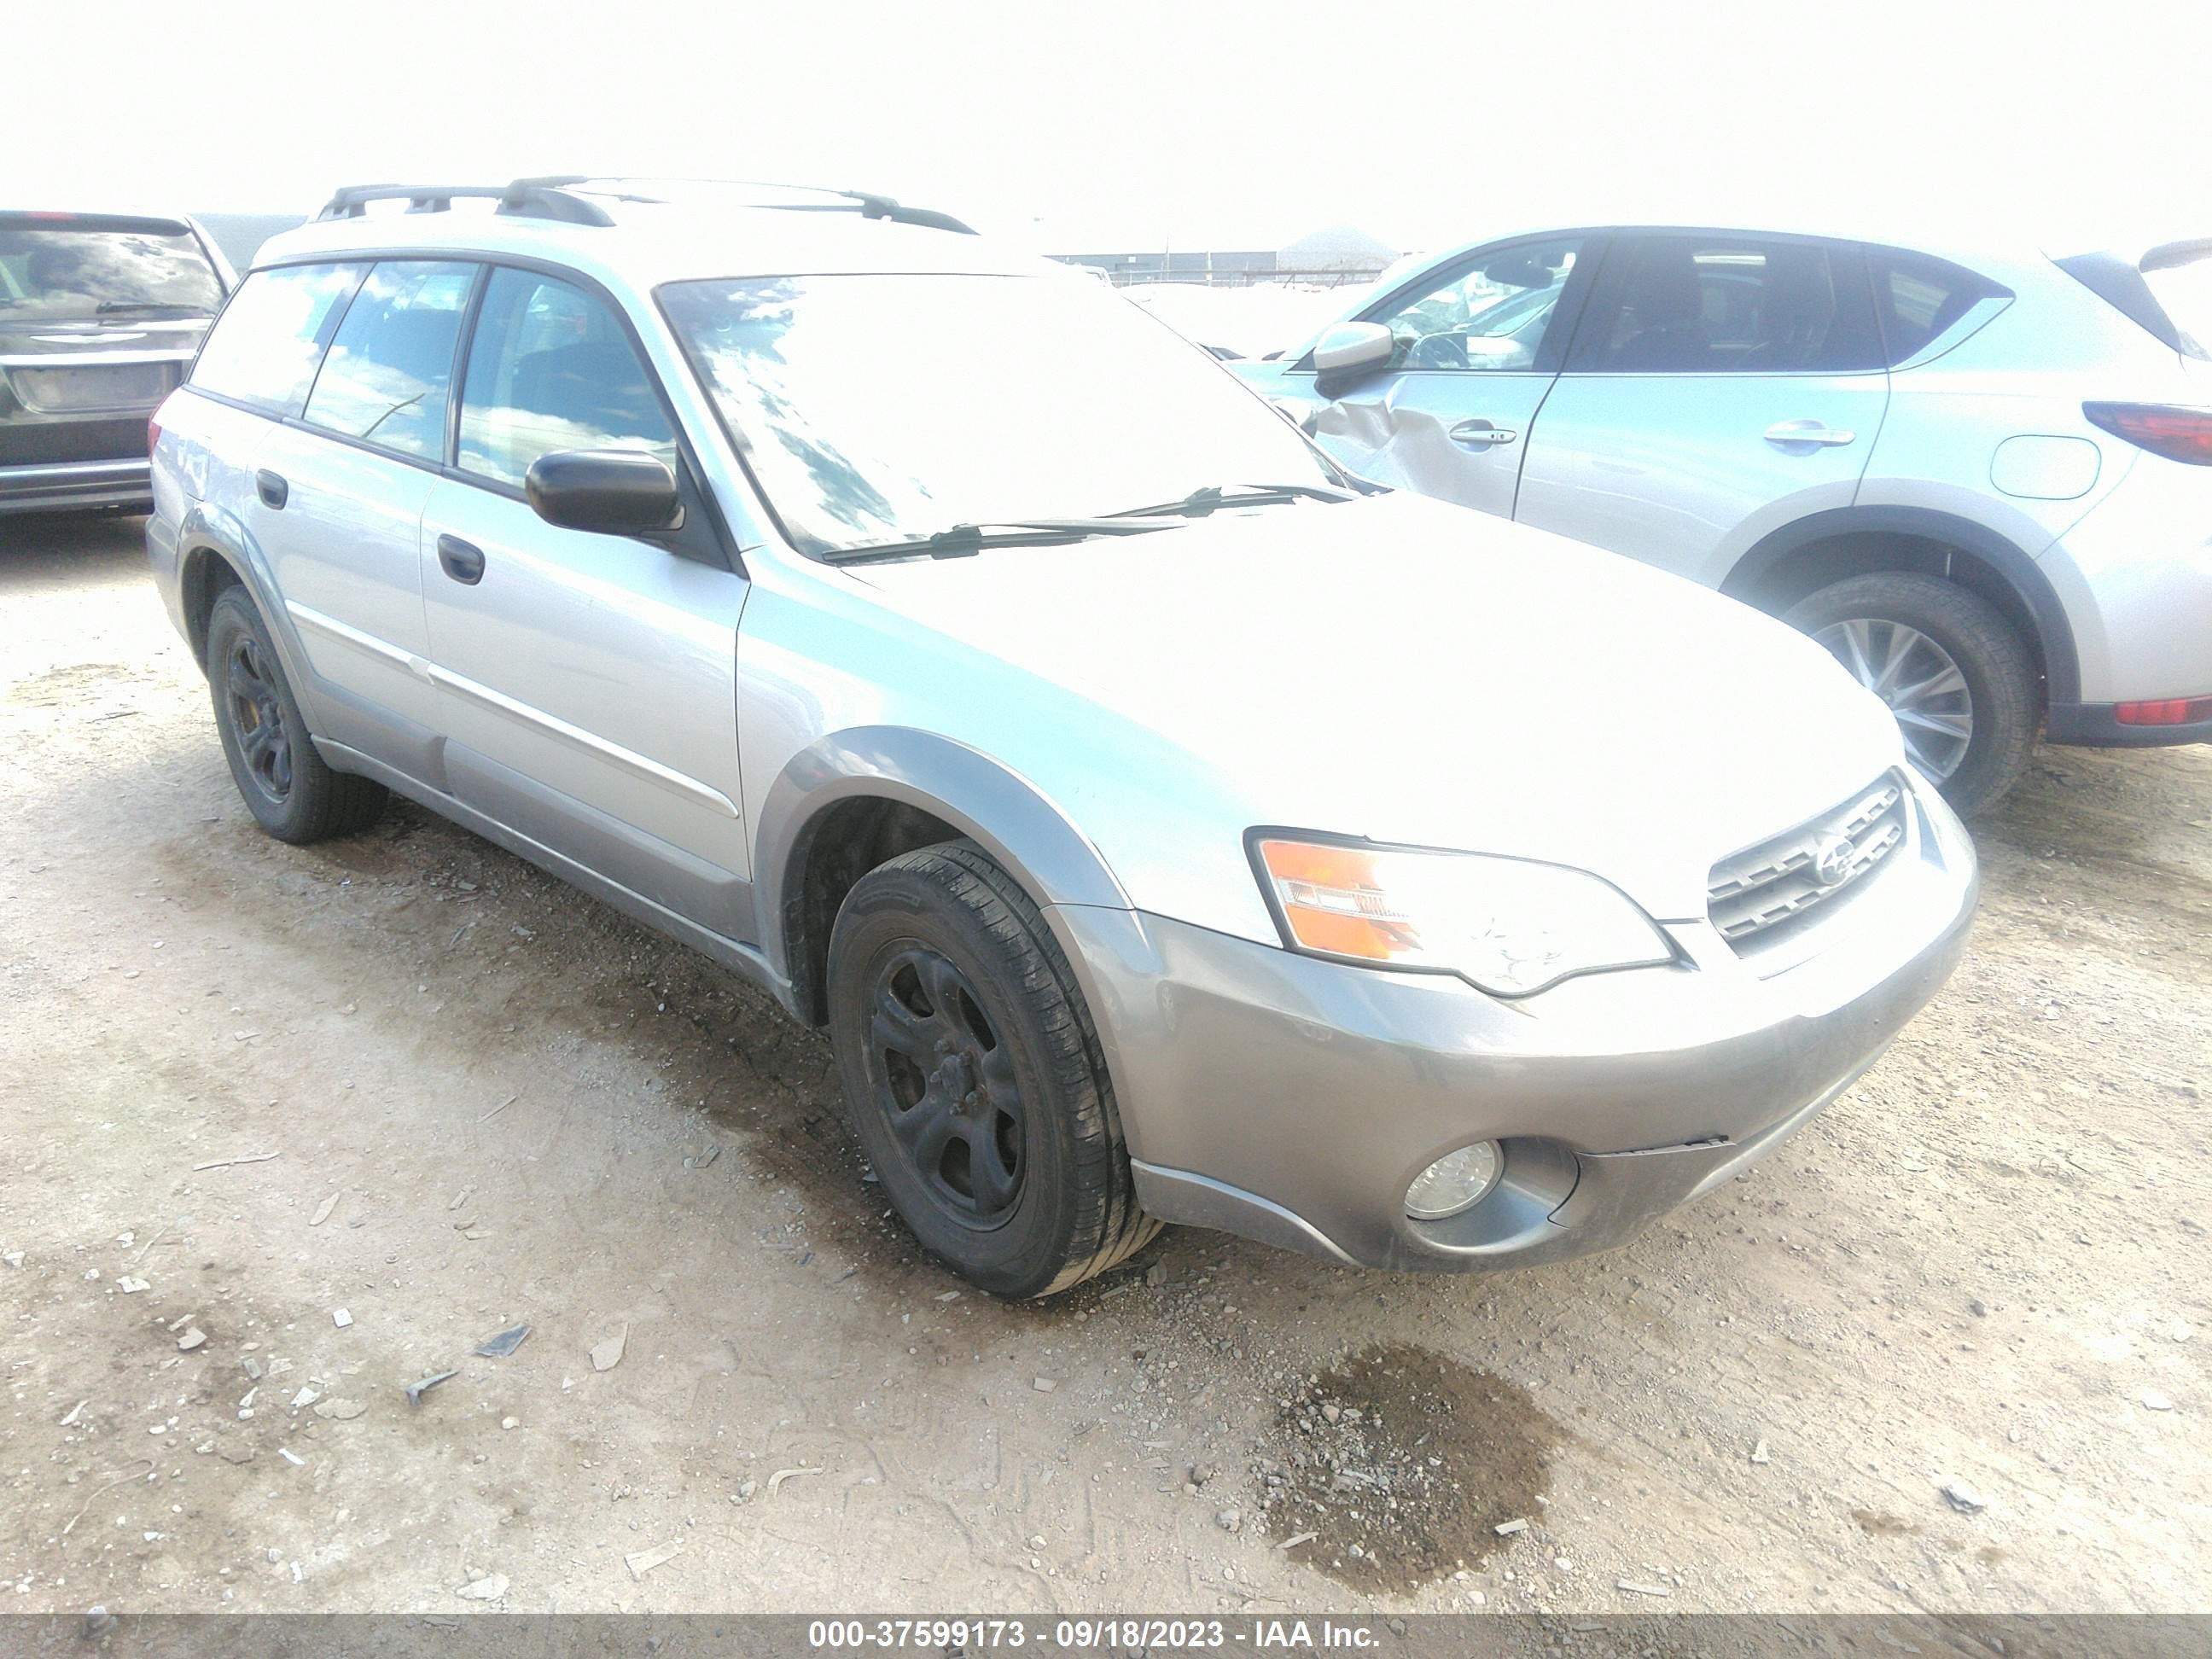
868	203
564	196
526	199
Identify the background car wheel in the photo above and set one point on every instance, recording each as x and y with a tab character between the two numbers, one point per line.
974	1077
287	787
1952	669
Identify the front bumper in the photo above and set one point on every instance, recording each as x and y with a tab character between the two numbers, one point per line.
1294	1100
77	486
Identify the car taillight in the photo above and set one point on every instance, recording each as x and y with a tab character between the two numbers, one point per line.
2179	433
2164	711
152	435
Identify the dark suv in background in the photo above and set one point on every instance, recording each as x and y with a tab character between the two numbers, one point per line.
99	317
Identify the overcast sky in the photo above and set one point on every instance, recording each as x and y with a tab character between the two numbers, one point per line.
1135	125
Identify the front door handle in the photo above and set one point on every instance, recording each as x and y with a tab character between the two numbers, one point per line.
271	488
463	560
1481	435
1808	431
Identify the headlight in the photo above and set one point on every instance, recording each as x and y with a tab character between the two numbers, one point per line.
1510	926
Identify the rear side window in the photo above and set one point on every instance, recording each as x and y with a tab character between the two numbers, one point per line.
74	269
1918	298
265	348
1700	305
550	369
390	367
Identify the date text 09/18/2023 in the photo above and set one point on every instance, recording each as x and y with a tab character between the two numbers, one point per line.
1101	1634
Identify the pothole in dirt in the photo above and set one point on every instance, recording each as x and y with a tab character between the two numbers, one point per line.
1399	1463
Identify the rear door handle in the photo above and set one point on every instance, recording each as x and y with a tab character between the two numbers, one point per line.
463	560
1481	435
271	488
1808	431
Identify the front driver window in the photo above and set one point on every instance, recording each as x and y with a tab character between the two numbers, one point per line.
551	369
1491	316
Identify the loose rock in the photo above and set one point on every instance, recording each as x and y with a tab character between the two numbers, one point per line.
608	1354
489	1588
191	1339
1963	1498
503	1343
644	1561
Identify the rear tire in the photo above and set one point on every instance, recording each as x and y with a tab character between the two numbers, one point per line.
974	1078
292	793
1860	619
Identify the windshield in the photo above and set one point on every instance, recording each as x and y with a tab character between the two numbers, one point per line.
880	407
57	272
2182	282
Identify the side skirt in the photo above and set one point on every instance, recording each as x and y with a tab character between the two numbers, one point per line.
740	958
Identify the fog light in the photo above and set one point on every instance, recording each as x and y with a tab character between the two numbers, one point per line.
1454	1182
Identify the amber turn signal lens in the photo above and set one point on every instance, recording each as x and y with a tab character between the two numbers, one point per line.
1331	900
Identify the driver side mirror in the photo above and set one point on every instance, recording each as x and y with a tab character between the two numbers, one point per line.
610	492
1349	353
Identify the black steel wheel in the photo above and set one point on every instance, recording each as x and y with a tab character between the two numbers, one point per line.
285	783
974	1078
946	1083
263	744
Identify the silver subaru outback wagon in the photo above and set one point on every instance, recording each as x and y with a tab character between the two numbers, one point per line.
1165	827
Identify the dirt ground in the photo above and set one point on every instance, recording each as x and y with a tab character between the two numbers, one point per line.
445	1094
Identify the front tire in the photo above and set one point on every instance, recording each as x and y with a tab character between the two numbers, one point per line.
974	1078
292	793
1952	671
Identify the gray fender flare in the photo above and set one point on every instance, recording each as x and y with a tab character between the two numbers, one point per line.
986	801
2019	572
208	533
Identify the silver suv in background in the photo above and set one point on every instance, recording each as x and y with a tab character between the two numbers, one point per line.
1163	827
99	316
1982	476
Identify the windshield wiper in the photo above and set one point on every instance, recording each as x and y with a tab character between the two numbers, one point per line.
1201	501
110	307
961	540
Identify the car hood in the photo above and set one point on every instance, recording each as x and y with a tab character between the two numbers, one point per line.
1408	672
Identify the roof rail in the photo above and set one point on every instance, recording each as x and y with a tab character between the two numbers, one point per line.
869	204
528	198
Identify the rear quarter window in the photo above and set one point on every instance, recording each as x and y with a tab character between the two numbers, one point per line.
1917	299
265	348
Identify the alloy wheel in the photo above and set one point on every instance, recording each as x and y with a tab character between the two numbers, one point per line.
1918	679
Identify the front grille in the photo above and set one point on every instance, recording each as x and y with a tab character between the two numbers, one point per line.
1751	892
